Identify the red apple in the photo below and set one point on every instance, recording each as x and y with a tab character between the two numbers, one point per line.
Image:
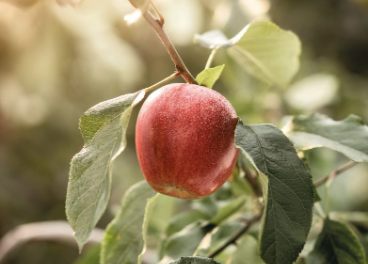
185	140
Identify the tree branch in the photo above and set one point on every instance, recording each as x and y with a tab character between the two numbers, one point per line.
175	57
335	173
52	230
239	233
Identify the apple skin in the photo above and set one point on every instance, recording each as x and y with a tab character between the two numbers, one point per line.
185	140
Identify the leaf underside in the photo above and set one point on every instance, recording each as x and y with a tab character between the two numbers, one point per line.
103	129
267	52
289	196
124	240
348	136
337	244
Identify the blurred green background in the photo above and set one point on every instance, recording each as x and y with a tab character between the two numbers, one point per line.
60	57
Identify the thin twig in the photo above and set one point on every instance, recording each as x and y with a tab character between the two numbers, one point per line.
161	17
162	82
174	55
335	173
52	230
239	233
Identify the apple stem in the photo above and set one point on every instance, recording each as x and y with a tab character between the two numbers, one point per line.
238	234
174	55
162	82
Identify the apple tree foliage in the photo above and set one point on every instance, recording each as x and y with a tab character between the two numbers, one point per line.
221	220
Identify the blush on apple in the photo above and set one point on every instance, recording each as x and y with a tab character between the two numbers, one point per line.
185	140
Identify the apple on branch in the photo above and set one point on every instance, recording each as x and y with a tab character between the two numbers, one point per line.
185	140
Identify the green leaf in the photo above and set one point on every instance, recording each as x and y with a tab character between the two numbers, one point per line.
186	241
349	136
262	48
208	77
239	186
289	195
228	209
217	238
178	222
247	252
206	205
267	52
103	128
124	238
357	218
194	260
337	244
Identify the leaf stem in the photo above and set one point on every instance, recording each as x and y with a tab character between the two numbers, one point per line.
162	82
210	58
235	236
335	173
174	55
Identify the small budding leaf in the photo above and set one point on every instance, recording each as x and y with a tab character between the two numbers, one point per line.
289	196
194	260
337	244
208	77
348	136
124	241
103	128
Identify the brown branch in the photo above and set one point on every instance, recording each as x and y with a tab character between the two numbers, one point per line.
335	173
174	55
235	236
52	230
